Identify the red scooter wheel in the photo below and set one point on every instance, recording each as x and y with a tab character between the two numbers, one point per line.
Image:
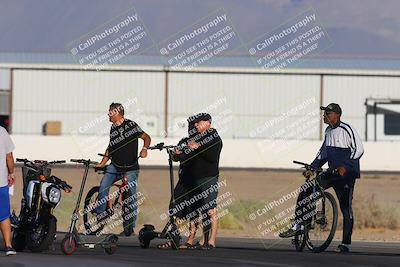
68	245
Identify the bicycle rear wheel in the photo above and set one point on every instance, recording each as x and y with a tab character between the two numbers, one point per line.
321	229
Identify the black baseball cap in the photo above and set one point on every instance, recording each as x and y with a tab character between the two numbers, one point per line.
332	107
200	117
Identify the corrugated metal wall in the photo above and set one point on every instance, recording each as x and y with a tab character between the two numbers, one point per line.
80	99
351	91
243	105
250	100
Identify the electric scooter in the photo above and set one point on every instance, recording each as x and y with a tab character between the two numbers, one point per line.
72	239
170	231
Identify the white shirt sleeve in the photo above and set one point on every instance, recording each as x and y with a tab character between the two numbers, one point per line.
7	142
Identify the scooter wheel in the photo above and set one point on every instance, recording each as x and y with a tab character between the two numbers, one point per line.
111	248
144	234
144	243
111	244
68	245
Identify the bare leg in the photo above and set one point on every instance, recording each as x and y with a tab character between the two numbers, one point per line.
5	227
201	242
193	228
214	224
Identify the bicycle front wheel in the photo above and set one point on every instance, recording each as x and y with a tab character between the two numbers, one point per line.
321	229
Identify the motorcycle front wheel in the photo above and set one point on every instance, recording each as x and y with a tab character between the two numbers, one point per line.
18	240
40	238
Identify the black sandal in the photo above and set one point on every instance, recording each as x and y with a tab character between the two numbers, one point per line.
197	245
166	245
207	247
186	246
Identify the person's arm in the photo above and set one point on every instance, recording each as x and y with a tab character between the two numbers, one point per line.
178	153
9	147
103	160
146	143
211	153
356	151
10	168
357	148
321	158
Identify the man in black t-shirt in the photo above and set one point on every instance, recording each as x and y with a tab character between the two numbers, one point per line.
123	152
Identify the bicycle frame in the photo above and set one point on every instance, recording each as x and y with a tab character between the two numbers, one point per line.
120	196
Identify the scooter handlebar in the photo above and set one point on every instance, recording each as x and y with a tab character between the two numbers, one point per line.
57	162
84	161
160	146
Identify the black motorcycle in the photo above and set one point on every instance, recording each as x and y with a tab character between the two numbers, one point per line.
36	226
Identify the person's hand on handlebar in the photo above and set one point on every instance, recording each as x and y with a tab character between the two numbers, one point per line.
193	145
99	166
143	152
308	173
102	164
177	151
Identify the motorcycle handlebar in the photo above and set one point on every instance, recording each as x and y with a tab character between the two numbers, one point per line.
60	183
40	161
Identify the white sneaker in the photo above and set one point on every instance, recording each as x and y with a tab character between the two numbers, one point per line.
10	251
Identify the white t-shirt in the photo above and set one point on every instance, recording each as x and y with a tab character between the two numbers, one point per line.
6	146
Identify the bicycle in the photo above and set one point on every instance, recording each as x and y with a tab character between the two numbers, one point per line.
320	226
118	203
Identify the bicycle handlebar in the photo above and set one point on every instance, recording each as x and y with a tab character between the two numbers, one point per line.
318	170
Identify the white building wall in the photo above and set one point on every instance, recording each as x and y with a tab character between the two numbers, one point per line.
252	100
80	99
243	105
351	92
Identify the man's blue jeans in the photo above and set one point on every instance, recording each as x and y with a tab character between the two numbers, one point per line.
111	176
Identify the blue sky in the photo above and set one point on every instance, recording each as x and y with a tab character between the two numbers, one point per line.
358	28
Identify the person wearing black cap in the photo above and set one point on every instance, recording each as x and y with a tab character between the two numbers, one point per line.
342	149
202	166
183	191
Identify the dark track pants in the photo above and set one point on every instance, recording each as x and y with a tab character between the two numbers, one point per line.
344	188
